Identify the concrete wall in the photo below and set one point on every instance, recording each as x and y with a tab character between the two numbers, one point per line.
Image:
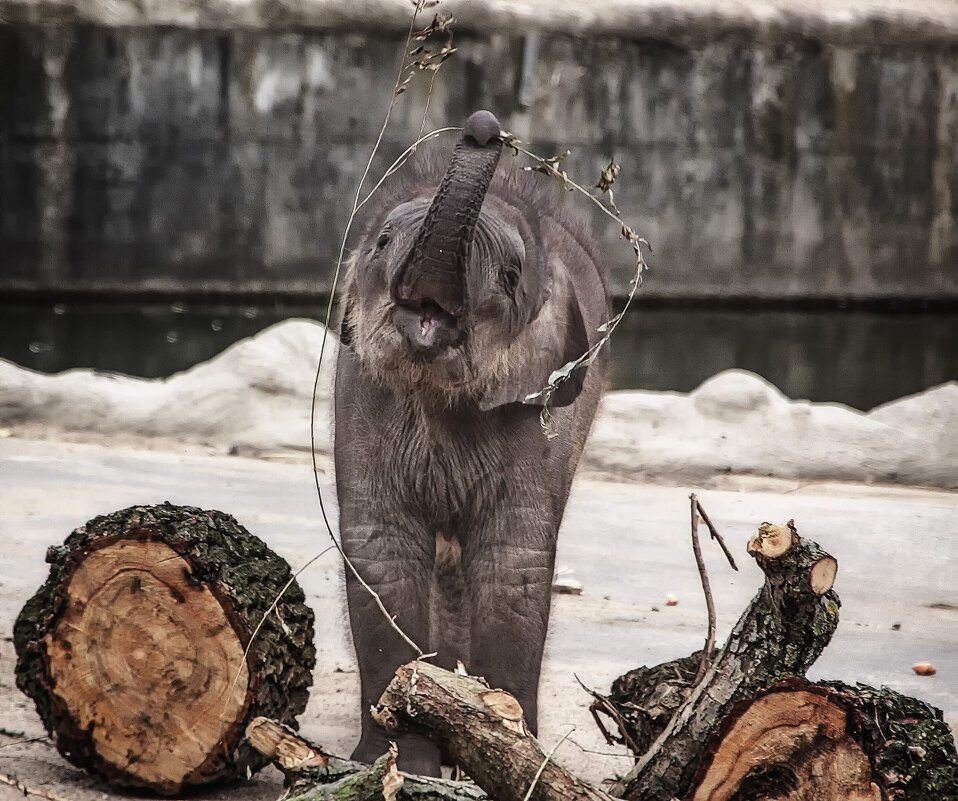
759	162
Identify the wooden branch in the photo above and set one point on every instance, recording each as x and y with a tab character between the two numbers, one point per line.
313	775
484	731
782	633
642	702
713	531
706	588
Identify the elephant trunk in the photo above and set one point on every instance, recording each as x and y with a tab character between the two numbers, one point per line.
434	271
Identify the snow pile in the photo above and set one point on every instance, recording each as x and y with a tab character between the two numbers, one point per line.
736	422
255	396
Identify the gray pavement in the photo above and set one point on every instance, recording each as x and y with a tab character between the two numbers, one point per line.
628	544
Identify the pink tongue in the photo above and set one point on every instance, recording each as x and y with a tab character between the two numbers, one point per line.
428	326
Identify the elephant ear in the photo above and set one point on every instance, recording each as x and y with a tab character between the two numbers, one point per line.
554	337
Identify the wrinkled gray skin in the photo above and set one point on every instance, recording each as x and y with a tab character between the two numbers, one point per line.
450	495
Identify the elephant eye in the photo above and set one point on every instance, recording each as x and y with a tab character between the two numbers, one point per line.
383	240
509	275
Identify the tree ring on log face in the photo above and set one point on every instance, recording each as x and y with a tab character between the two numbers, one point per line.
773	541
821	575
145	659
788	745
134	649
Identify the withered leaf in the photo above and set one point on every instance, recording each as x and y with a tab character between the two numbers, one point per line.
392	779
608	177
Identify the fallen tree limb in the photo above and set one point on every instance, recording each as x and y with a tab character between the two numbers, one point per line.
484	732
782	633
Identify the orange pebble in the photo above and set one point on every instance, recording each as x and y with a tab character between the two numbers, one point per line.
924	669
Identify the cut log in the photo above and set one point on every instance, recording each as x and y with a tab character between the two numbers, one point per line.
484	732
781	634
830	742
134	650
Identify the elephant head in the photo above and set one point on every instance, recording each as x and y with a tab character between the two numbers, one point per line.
463	292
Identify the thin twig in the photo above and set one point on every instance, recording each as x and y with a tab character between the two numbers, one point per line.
716	536
549	167
602	703
709	603
23	739
435	72
546	761
585	750
401	159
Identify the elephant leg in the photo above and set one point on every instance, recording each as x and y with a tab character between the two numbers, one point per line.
397	565
511	582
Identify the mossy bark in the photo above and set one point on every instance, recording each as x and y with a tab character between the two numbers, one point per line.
484	732
832	742
216	564
781	634
911	748
313	775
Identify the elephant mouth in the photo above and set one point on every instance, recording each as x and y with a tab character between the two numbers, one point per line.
426	326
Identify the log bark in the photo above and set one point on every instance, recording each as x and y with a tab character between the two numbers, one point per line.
313	775
484	731
134	650
781	634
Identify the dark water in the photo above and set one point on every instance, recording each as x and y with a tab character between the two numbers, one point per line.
860	358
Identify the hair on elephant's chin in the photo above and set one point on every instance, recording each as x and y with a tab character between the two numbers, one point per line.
445	380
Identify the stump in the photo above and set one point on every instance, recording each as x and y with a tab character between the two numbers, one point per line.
831	742
133	649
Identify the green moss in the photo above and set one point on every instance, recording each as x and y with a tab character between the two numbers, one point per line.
913	747
831	606
791	657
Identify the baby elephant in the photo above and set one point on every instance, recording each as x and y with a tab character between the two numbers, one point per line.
469	288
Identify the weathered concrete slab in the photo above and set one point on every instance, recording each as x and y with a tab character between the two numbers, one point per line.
768	148
847	21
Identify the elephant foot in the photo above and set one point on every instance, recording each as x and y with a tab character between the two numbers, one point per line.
417	753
